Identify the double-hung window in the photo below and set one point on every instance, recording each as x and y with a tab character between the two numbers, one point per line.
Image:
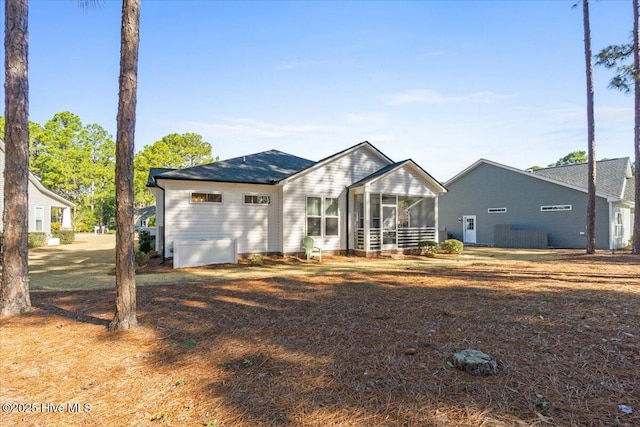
39	218
618	225
322	216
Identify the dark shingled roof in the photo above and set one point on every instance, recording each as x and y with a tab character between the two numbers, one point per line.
268	167
611	176
153	172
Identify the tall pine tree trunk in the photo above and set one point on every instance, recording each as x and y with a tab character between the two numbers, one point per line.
14	298
591	153
636	132
125	315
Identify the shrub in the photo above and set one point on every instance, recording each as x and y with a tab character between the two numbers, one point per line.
428	248
36	239
145	241
256	259
56	226
66	237
141	258
451	246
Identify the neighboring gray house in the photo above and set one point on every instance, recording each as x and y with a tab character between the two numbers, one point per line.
267	202
41	203
492	204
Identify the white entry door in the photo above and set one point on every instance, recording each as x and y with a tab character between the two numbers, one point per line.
469	229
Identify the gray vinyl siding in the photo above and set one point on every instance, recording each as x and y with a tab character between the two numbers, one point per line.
489	186
330	180
256	227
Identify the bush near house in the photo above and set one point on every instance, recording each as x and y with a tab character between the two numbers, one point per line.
145	241
66	237
36	239
451	246
428	248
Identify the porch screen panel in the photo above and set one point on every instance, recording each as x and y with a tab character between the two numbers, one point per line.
375	210
314	216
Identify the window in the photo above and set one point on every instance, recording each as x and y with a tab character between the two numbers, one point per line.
322	216
250	199
39	218
331	223
314	216
496	210
618	230
206	197
553	208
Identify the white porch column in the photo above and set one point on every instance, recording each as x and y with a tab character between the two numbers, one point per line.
435	216
66	219
367	218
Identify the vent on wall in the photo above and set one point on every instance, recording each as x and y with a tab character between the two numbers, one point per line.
554	208
496	210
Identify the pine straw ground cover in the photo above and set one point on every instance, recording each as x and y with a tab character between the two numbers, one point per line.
329	350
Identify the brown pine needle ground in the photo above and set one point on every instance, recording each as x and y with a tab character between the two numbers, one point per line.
329	349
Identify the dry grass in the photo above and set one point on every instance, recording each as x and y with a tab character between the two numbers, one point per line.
329	349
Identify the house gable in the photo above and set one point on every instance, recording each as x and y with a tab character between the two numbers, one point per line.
39	197
404	177
499	195
365	155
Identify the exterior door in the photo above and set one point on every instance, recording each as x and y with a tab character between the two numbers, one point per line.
389	227
469	229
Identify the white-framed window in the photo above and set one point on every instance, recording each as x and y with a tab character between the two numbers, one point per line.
555	208
322	216
618	225
496	210
206	197
257	199
331	220
39	213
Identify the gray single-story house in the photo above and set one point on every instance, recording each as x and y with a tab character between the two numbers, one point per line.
42	203
492	204
355	201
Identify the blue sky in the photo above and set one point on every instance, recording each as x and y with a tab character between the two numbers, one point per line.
442	82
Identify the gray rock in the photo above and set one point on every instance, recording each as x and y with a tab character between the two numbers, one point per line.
474	362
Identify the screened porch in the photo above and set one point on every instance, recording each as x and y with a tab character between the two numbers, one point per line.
389	222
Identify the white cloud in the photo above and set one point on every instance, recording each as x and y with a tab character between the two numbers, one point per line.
425	96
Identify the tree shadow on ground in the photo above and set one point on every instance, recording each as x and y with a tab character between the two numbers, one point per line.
332	350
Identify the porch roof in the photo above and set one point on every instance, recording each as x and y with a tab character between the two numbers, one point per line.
427	179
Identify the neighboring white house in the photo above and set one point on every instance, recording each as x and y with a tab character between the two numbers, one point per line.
41	202
355	201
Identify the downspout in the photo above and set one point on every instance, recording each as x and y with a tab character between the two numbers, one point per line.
164	217
348	221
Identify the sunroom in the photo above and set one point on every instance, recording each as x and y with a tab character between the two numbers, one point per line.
394	209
